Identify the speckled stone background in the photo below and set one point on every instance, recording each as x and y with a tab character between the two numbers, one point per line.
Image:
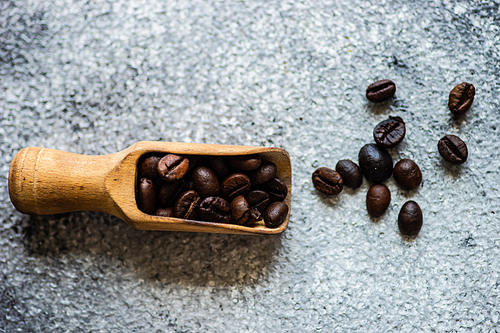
94	77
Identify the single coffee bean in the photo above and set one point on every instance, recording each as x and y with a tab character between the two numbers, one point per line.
255	216
258	199
165	212
240	210
390	132
186	206
377	200
245	162
461	98
375	163
407	174
172	167
276	189
453	149
410	219
275	214
169	191
206	182
148	167
215	209
350	172
147	196
265	172
220	165
234	185
327	181
380	91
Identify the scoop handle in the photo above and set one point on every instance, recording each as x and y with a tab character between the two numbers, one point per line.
47	181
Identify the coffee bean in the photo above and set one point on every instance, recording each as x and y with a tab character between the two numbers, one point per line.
327	181
375	163
206	182
350	173
255	216
453	149
235	185
275	214
276	189
410	219
258	199
165	212
186	206
147	198
390	132
461	98
215	209
407	174
148	167
172	167
240	210
380	91
265	172
220	165
377	200
245	162
169	191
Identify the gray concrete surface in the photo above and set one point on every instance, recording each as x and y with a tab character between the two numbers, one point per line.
94	77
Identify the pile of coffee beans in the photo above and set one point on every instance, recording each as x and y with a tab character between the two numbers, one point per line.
376	164
242	190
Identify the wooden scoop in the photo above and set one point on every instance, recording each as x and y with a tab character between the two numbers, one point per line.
47	181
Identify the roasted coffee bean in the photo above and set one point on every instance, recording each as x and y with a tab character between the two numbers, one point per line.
350	172
169	191
215	209
265	172
375	163
165	212
245	162
461	98
172	167
327	181
390	132
258	199
276	189
410	219
186	206
220	165
147	196
206	182
380	91
275	214
453	149
235	185
377	200
193	162
148	167
240	210
407	174
255	215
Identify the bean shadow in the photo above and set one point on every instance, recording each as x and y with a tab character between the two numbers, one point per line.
382	107
329	200
197	259
453	170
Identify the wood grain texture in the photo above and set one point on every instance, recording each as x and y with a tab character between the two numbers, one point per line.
47	181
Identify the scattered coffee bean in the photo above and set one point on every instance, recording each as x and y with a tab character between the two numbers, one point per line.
380	91
410	219
147	196
148	167
215	209
407	174
390	132
265	172
327	181
240	210
453	149
186	206
377	200
375	163
350	172
235	185
205	182
461	98
276	188
275	214
245	162
172	167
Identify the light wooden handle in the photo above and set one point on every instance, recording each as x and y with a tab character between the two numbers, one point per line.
48	181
